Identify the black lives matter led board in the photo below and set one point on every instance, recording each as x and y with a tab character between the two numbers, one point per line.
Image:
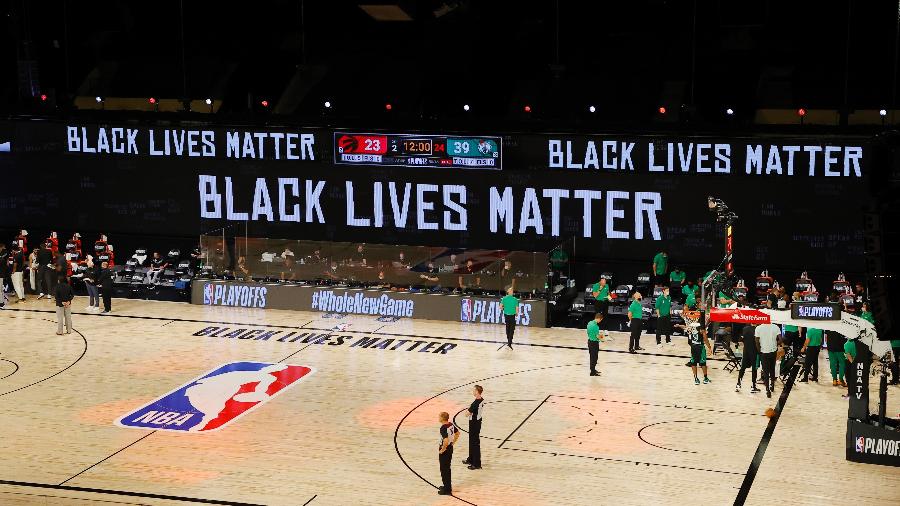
415	150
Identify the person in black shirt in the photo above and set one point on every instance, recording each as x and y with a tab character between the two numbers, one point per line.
474	413
158	265
772	299
64	296
60	269
44	273
449	435
859	294
105	281
287	273
749	358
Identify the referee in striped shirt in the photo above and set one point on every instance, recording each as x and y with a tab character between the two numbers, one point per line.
474	413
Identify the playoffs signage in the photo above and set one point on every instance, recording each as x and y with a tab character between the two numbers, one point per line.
218	294
377	303
489	311
872	445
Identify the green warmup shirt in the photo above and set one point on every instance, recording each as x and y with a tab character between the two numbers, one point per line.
677	276
664	305
722	294
791	328
510	304
593	330
850	348
604	292
706	275
635	309
661	262
690	297
867	316
815	337
895	343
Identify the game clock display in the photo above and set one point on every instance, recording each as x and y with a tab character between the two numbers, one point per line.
412	150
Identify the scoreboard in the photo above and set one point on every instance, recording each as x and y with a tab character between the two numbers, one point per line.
413	150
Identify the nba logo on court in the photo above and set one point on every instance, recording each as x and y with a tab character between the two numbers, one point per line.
465	312
216	398
860	442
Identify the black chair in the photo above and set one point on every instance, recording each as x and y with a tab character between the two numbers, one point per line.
732	357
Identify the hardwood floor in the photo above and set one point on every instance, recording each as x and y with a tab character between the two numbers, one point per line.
362	428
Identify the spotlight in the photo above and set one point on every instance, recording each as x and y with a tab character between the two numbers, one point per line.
662	110
729	111
801	112
98	99
527	108
466	107
592	109
388	107
264	103
44	99
208	101
152	101
327	104
881	112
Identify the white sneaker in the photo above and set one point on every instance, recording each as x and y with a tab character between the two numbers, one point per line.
41	296
659	345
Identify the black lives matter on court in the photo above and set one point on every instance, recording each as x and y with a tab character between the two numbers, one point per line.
327	339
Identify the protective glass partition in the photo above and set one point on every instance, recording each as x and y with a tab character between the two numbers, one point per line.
394	267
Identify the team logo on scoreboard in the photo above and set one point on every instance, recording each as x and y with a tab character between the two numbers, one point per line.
216	398
348	144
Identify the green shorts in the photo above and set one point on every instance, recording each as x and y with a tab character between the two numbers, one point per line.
698	357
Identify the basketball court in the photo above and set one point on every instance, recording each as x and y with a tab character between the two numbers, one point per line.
361	425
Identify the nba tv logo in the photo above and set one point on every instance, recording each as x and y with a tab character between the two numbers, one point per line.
216	398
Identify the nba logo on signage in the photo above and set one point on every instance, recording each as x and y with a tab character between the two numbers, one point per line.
860	443
207	294
465	313
216	398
